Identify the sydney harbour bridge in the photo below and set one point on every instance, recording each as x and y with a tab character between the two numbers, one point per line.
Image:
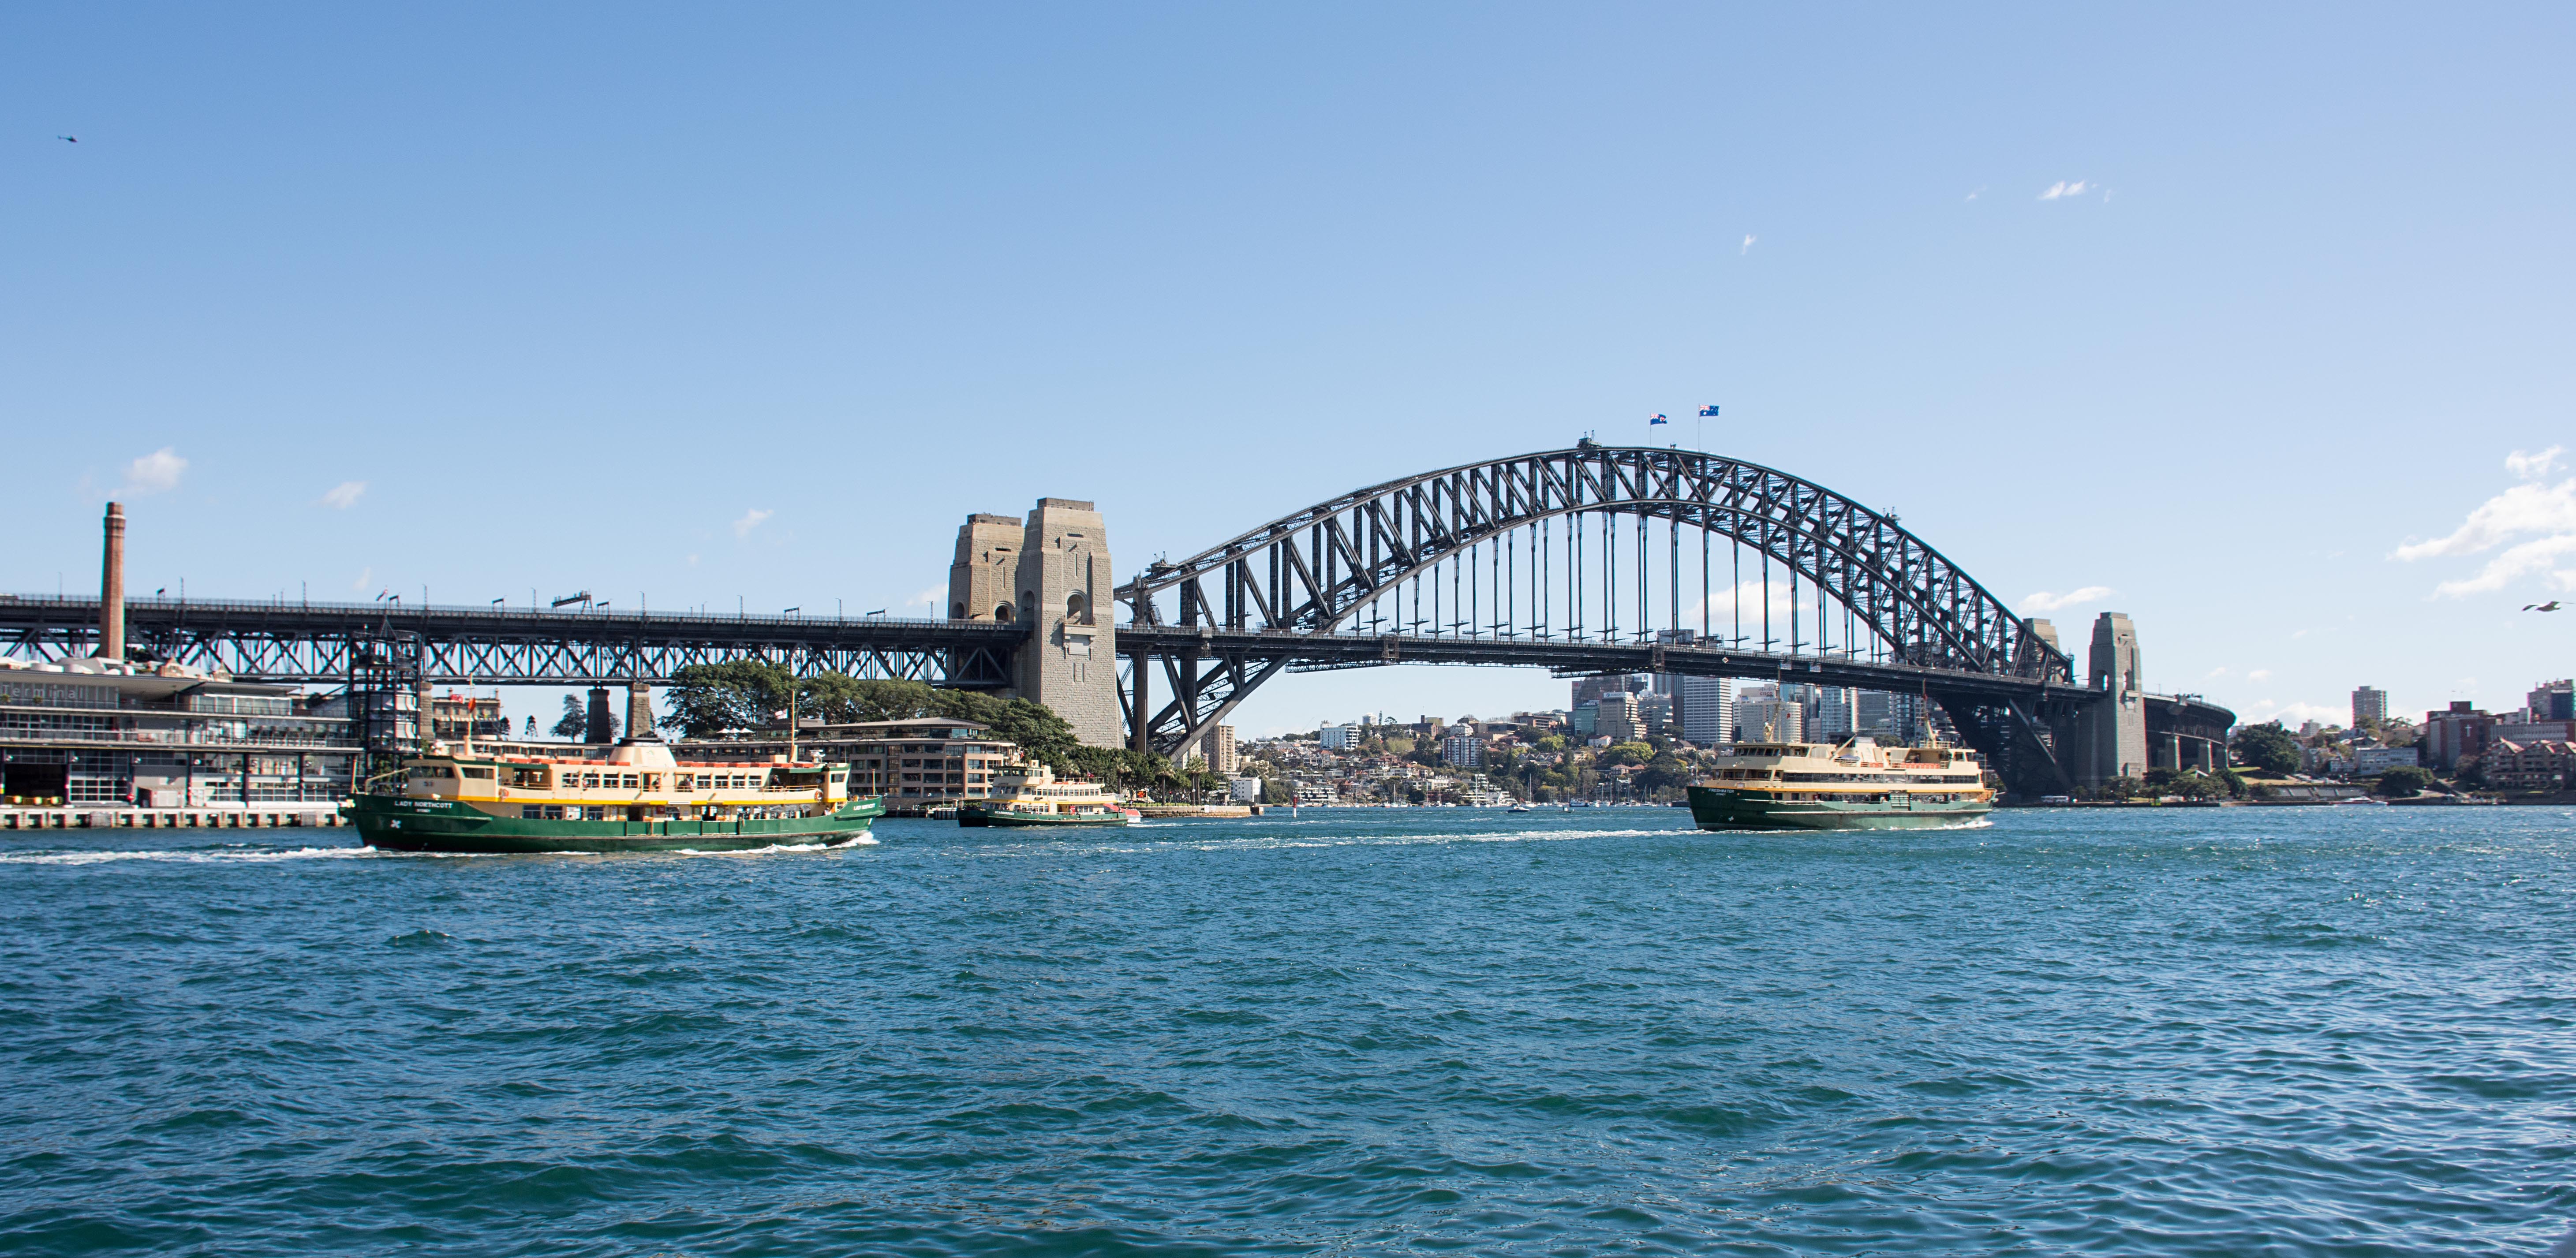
1589	560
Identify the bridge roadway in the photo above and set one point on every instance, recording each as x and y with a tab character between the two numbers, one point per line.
1311	652
309	643
326	643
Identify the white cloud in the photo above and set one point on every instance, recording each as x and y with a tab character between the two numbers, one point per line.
2291	714
1748	247
365	578
2260	674
2544	513
2047	602
2533	466
1981	191
345	494
2061	188
2220	671
750	520
154	473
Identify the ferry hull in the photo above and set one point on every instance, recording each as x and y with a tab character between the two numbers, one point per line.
1005	818
1716	809
434	825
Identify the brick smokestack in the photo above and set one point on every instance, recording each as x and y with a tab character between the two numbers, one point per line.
111	588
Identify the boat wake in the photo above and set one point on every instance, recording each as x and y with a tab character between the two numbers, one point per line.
192	855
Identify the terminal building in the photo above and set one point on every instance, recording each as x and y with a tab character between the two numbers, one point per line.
96	732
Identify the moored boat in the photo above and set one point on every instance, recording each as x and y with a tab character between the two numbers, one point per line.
1852	785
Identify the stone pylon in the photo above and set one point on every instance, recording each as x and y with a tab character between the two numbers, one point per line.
2113	735
1050	572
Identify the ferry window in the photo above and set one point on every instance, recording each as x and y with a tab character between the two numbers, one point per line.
629	780
652	781
589	780
840	777
478	773
685	783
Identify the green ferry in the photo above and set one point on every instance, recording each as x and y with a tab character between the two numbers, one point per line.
1032	795
632	797
1852	785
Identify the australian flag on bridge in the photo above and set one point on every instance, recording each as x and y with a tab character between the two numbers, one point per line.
1658	419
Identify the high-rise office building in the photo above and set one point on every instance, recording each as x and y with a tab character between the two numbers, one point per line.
1887	716
1769	720
2368	705
1707	710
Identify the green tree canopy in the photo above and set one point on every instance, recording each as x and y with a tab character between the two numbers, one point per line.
706	700
2403	782
1626	753
2267	747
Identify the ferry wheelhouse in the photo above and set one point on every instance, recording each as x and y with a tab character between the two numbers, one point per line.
631	797
1852	785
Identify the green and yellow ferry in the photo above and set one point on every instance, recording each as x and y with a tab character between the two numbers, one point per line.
1031	795
1852	785
631	797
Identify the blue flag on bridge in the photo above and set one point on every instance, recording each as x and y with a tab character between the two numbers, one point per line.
1657	420
1708	410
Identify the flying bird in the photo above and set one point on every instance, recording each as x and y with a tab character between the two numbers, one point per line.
2550	606
68	139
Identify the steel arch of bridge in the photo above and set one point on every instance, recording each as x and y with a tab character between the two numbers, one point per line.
1312	572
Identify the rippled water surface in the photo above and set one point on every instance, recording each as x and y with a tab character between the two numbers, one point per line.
2240	1031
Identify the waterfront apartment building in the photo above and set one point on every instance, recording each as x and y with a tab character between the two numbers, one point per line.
1462	750
1222	754
165	736
2545	764
1337	737
918	761
2368	704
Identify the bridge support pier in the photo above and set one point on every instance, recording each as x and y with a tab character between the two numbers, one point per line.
1059	566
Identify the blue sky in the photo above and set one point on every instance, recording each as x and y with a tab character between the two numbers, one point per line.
707	305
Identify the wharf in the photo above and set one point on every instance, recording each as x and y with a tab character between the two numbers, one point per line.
170	818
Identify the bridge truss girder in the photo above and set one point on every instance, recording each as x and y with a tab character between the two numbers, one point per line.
322	643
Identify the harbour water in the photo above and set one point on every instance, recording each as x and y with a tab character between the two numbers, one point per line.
2345	1031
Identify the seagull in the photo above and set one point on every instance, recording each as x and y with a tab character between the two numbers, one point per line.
68	139
2550	606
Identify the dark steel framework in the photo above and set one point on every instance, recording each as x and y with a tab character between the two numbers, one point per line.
330	643
1523	560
